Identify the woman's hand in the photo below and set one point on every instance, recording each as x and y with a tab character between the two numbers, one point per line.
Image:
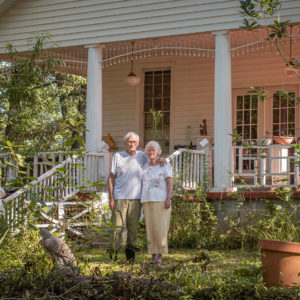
168	203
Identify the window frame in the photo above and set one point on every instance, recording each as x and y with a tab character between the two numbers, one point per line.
140	71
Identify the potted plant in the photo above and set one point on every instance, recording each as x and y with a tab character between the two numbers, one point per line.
279	239
283	139
280	262
265	141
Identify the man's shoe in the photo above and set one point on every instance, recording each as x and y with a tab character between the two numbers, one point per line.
130	255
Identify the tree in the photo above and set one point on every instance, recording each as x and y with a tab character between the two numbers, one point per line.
38	106
266	13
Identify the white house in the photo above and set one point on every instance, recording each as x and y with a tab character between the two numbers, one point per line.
194	63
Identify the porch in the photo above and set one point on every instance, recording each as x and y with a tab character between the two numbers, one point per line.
189	78
200	83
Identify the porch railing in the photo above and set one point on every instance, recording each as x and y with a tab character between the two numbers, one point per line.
53	189
44	161
190	167
7	172
38	164
266	166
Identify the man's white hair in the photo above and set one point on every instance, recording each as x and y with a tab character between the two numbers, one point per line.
131	133
155	145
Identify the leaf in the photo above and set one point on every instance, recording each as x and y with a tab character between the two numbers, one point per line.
8	163
80	139
45	208
296	62
32	227
79	123
3	236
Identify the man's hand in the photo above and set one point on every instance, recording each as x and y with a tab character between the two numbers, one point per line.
162	161
167	203
112	204
110	183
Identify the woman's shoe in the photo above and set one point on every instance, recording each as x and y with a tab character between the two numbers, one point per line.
154	259
159	260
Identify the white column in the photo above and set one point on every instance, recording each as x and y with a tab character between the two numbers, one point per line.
94	98
222	113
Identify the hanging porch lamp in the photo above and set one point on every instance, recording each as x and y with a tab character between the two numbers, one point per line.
132	79
291	65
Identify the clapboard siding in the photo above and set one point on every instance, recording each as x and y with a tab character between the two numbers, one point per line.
76	22
192	91
119	108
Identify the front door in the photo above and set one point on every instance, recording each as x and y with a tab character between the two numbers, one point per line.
157	103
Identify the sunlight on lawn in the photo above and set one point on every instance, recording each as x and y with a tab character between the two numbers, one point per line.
90	258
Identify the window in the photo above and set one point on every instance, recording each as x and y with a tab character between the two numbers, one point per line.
246	116
157	96
246	125
283	114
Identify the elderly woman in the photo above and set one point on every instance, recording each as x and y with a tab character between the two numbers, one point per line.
156	201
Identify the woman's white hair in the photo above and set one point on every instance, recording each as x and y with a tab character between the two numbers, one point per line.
135	135
155	145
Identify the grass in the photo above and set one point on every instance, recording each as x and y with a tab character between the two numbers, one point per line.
177	261
187	273
220	260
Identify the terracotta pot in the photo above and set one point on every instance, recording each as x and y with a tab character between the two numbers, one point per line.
283	140
280	262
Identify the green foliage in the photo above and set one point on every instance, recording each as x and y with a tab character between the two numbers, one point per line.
193	221
27	212
266	13
26	272
36	100
260	92
279	220
257	11
156	116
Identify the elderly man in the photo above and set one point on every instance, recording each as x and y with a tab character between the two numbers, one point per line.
124	188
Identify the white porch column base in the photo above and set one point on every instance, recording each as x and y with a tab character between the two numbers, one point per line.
94	98
222	113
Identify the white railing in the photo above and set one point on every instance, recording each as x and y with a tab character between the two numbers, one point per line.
37	165
54	188
190	167
266	166
44	161
7	172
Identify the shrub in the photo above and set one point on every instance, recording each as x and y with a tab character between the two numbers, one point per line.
193	222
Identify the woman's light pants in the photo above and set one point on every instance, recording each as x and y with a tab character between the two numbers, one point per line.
157	220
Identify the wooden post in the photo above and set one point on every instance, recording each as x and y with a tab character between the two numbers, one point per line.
94	98
222	112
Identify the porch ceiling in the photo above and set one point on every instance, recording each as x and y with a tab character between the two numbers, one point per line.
242	42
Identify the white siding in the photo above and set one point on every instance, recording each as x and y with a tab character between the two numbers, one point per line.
77	22
119	108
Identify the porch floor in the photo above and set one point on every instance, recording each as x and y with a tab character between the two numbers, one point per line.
270	194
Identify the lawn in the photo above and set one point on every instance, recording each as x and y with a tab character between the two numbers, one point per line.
203	262
26	272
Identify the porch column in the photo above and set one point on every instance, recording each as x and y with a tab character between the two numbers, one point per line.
94	98
222	112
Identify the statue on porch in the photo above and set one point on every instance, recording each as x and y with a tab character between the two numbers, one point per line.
203	127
